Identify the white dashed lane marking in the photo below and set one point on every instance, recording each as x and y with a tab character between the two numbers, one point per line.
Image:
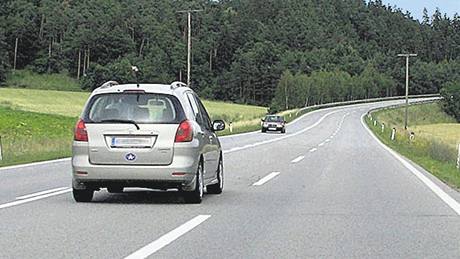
266	179
298	159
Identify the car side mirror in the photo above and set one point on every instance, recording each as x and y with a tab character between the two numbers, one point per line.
218	125
263	120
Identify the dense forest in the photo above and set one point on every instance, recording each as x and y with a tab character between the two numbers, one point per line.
248	51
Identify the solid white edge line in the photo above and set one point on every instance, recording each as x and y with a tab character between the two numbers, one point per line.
19	202
266	179
40	193
168	238
451	202
34	164
298	159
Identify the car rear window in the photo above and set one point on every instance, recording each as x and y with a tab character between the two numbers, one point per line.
138	107
274	119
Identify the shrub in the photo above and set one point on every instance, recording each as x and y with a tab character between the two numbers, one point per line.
440	151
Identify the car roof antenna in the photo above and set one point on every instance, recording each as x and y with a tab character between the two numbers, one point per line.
135	71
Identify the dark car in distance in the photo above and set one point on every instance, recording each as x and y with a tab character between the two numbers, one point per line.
274	123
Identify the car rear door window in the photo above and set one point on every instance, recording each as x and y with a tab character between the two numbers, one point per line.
196	110
206	119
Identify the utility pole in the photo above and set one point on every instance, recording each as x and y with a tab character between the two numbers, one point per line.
407	56
189	42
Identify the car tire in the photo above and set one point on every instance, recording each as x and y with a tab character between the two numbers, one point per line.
264	130
218	187
82	195
115	189
196	196
283	130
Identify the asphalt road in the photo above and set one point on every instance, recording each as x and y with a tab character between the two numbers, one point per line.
327	188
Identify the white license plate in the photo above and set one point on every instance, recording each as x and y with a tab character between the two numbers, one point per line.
127	142
271	128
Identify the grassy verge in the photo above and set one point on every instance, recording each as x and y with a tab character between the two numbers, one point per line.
31	80
28	137
431	152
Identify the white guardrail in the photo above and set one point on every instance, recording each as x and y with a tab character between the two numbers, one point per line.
327	105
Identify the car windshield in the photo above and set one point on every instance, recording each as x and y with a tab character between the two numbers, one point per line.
274	119
134	107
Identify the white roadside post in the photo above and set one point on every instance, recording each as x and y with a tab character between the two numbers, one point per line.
231	127
458	157
393	134
383	127
1	150
412	137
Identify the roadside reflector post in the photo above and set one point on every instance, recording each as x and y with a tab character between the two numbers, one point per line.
375	123
230	125
458	157
383	127
1	149
411	136
393	134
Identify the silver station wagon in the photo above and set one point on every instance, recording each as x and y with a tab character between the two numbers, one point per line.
148	135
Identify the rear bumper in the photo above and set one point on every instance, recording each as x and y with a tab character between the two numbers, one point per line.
273	128
87	175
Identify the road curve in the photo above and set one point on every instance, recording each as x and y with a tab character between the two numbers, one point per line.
327	188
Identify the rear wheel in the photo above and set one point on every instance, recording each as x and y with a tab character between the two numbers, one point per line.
83	195
196	196
219	186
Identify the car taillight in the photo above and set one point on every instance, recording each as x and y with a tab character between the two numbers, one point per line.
184	132
80	131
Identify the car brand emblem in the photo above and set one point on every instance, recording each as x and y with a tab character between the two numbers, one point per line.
130	157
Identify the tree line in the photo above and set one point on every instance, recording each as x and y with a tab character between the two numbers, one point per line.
243	50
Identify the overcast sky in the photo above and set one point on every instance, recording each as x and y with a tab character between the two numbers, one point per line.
415	7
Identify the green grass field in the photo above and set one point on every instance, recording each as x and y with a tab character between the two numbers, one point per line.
44	101
436	138
38	125
31	80
448	133
71	104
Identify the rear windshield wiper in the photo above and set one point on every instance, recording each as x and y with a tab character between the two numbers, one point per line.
120	121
